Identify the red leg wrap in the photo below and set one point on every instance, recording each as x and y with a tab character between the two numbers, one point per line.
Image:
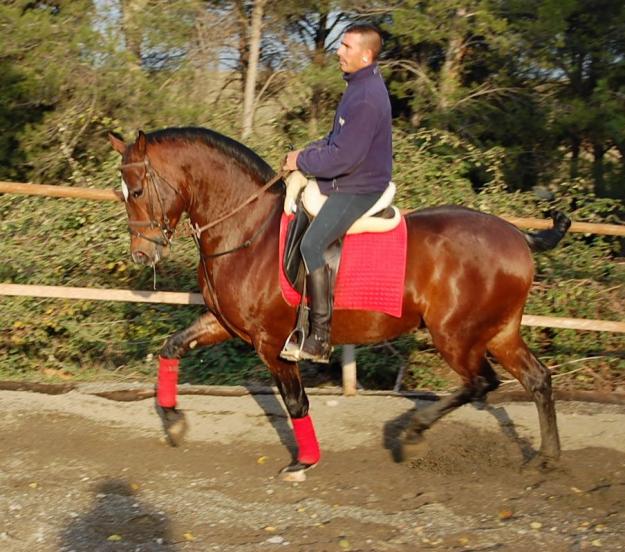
306	440
167	381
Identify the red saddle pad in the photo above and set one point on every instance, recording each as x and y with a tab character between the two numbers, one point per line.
371	272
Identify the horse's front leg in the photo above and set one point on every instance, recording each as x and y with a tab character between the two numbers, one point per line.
289	381
206	330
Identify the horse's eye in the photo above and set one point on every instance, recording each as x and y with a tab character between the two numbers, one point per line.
137	193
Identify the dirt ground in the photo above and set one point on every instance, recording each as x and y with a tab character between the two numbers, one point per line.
82	473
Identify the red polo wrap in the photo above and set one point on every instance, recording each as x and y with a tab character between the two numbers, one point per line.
306	440
167	381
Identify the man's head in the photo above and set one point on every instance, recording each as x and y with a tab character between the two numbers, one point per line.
360	46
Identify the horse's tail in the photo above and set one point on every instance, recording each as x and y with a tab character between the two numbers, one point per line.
548	239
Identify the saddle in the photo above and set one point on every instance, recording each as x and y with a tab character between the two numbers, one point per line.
304	199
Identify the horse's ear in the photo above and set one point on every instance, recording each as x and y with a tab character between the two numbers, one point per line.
140	143
117	143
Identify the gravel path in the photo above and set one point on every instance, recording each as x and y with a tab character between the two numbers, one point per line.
83	473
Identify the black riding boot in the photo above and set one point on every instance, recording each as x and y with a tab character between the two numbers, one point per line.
317	346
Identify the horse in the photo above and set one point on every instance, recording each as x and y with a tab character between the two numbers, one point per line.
468	275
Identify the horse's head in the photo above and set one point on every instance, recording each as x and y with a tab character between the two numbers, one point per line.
153	203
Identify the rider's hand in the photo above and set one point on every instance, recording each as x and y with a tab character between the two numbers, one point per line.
290	161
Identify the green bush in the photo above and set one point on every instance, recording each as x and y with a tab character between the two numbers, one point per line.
80	243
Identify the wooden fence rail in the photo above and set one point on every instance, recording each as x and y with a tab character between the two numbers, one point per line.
94	294
180	298
110	195
47	190
349	364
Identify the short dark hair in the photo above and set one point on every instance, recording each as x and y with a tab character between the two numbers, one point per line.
370	34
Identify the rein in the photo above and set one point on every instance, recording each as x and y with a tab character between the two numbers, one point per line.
197	229
194	230
246	243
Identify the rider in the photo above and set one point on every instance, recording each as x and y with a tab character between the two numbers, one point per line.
352	166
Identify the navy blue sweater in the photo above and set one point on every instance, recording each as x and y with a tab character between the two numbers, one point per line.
357	155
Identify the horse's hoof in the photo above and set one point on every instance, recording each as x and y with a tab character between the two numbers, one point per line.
479	404
174	424
541	463
296	472
413	445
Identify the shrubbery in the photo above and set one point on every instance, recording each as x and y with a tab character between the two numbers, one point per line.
80	243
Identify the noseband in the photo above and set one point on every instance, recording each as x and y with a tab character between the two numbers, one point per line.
151	178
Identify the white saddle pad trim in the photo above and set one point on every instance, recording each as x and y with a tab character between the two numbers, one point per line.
313	200
294	183
376	224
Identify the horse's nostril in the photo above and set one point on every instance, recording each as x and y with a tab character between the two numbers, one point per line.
140	257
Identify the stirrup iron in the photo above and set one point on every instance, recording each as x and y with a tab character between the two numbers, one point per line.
290	350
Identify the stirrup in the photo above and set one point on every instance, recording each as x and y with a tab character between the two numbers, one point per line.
291	351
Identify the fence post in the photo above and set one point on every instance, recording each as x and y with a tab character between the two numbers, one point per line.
349	370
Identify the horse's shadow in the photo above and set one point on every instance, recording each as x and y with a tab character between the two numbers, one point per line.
508	429
175	424
277	417
393	429
393	432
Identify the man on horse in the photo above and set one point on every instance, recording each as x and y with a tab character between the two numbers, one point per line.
352	166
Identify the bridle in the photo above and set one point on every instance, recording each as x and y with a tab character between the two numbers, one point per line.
160	220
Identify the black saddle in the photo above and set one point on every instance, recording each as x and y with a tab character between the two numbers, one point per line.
293	263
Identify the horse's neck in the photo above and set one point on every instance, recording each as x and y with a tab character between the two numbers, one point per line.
221	187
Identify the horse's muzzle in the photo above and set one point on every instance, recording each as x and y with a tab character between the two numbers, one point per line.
148	253
142	258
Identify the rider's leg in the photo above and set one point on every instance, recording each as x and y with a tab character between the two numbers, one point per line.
316	345
338	213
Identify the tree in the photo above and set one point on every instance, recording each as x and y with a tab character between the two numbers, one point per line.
576	56
255	36
132	27
45	51
314	30
440	54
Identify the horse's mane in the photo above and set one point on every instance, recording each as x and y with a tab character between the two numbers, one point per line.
243	155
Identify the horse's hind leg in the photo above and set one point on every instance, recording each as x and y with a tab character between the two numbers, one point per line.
478	379
511	351
206	330
289	381
485	381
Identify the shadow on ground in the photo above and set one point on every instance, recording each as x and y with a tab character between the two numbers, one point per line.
119	521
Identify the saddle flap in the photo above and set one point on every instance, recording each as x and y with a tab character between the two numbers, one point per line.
292	262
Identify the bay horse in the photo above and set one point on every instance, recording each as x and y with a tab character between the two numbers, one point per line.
468	275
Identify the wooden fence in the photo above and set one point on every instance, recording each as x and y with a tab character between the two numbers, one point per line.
110	195
349	364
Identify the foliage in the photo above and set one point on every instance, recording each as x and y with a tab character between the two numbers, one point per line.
582	278
509	107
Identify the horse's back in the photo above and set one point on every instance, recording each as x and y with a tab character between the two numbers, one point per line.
453	218
462	262
469	236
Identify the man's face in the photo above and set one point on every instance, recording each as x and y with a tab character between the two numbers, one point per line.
352	56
